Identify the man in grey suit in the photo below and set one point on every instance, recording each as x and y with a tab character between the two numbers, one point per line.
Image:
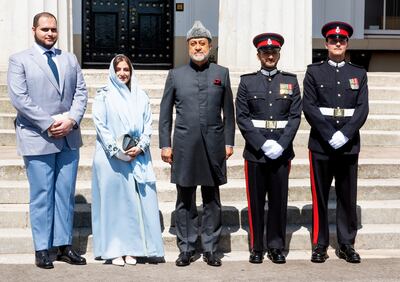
46	87
203	140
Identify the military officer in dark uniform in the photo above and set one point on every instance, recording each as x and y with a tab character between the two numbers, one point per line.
203	140
268	111
335	104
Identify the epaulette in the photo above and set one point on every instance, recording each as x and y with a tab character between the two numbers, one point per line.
316	64
358	66
247	74
288	73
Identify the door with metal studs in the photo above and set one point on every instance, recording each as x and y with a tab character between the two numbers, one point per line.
140	29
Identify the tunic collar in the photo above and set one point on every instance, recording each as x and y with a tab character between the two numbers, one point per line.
336	65
269	73
199	68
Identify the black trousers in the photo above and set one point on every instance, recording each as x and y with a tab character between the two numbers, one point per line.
263	178
323	169
187	222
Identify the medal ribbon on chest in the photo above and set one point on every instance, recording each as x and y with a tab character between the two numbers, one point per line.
286	89
354	83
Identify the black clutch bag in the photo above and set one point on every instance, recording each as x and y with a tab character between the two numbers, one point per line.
129	142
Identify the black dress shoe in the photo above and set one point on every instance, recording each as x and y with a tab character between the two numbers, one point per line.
276	256
42	259
68	255
211	259
348	253
185	258
319	254
256	257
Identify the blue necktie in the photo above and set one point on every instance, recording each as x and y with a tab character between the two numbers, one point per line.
52	65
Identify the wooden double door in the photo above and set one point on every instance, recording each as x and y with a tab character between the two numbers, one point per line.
140	29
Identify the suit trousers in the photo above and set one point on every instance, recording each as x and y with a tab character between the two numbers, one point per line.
52	180
263	178
187	221
323	169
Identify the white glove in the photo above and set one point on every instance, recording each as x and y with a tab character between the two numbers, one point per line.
275	151
123	157
338	140
268	145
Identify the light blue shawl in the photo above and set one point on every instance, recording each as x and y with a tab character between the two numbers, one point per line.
133	109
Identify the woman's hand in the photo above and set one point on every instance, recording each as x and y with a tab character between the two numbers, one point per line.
123	157
133	152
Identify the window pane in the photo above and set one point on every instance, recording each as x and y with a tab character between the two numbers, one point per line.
374	14
393	14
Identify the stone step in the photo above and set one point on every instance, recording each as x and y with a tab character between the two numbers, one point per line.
7	107
144	77
152	90
13	169
378	138
233	214
96	76
384	107
99	76
367	152
370	236
156	91
383	78
376	107
374	122
17	191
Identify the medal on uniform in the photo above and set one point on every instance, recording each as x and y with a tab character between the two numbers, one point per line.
286	89
354	83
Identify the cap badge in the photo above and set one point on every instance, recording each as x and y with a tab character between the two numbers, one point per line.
337	29
269	41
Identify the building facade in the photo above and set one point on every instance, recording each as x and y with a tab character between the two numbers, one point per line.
153	32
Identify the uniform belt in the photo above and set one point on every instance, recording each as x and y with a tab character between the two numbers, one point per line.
337	112
269	124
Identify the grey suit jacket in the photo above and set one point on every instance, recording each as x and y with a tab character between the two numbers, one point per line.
35	94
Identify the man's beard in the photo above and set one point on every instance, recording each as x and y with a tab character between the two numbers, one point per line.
43	44
200	57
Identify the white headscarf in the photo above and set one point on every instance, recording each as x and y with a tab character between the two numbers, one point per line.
126	103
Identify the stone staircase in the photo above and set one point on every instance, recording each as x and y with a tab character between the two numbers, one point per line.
378	193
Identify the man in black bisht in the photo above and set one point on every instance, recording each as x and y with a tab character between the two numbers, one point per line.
335	104
203	140
268	111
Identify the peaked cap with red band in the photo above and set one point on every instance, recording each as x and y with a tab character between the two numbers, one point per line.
268	41
337	29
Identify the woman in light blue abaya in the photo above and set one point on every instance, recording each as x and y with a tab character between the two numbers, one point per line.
125	217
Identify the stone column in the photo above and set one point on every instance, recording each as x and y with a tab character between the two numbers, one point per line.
240	21
16	24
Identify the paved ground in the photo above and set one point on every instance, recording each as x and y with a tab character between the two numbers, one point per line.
294	270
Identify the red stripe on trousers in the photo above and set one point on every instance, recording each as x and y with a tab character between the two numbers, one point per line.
249	206
314	201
